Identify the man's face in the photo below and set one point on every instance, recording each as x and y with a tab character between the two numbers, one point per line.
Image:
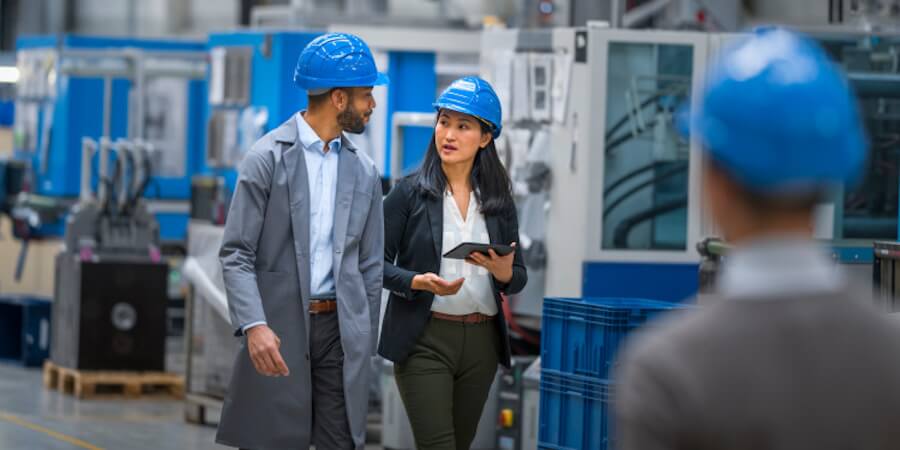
357	109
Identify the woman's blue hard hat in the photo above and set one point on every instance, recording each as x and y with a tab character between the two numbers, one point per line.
476	97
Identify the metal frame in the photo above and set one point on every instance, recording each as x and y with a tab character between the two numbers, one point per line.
404	119
598	46
415	39
134	64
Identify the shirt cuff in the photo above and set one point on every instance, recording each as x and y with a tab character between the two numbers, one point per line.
251	325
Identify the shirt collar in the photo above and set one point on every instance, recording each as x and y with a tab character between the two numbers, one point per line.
310	140
777	267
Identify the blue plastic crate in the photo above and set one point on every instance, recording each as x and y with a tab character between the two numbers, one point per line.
582	336
573	412
24	329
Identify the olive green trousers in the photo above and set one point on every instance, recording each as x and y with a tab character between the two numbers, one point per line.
446	380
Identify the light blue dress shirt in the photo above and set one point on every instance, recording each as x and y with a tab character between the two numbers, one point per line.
321	171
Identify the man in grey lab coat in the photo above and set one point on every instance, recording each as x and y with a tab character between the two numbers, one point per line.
790	356
302	262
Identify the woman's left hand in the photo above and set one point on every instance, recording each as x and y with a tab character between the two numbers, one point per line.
499	266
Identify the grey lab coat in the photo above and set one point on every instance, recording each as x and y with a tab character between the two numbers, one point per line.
265	264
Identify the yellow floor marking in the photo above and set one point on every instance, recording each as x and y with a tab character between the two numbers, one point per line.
34	427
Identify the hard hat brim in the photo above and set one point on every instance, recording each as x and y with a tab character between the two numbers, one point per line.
495	130
382	80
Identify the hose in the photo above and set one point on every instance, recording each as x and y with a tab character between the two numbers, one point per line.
620	235
661	177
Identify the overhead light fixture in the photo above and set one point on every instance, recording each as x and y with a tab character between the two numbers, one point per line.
9	74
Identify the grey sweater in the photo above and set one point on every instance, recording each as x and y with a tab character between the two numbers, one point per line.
806	372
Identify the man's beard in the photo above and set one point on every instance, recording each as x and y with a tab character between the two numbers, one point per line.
352	121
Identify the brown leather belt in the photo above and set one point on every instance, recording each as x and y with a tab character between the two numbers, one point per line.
465	318
322	306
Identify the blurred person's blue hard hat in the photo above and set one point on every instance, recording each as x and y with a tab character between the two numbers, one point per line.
778	115
473	96
337	60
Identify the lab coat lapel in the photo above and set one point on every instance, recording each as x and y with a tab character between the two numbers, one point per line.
298	195
346	180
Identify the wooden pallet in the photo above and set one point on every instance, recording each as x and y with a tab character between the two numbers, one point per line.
86	383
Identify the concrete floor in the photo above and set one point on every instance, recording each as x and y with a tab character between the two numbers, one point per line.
34	418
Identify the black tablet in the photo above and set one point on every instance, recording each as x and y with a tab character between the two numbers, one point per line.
466	248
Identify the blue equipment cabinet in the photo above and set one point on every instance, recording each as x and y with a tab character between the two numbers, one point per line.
251	91
86	86
24	329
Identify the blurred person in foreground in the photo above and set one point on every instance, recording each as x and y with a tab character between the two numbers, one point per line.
790	356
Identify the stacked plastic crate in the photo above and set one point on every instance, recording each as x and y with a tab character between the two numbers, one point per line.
579	341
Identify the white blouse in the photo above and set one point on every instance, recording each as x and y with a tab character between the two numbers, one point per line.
476	293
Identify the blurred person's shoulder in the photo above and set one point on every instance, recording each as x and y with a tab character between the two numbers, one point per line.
723	326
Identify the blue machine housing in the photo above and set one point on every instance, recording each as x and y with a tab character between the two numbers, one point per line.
413	88
77	111
271	80
671	282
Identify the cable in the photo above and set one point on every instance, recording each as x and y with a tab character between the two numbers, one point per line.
620	234
628	176
661	177
612	144
612	130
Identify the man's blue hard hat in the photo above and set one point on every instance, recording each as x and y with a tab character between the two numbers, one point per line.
778	115
337	60
476	97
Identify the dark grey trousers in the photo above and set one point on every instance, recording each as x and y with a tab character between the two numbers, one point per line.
331	429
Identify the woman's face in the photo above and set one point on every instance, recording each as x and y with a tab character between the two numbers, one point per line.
458	137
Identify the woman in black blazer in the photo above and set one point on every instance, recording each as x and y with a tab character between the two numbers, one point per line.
444	327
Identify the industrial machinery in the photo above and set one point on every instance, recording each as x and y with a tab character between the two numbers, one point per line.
110	292
511	427
209	335
251	91
886	275
607	189
610	190
72	87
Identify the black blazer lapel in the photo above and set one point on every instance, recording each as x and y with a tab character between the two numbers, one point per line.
436	218
493	228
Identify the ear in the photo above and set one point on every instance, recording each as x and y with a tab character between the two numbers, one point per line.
339	99
485	140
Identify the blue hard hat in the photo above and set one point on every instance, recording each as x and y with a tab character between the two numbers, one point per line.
474	96
778	115
337	60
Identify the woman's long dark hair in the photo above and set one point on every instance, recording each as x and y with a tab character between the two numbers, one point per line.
491	183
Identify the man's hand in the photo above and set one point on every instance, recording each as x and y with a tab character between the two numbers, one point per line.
263	345
435	284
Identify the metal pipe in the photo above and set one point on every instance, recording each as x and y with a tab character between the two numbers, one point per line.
139	86
103	169
123	155
88	147
614	14
398	120
107	104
